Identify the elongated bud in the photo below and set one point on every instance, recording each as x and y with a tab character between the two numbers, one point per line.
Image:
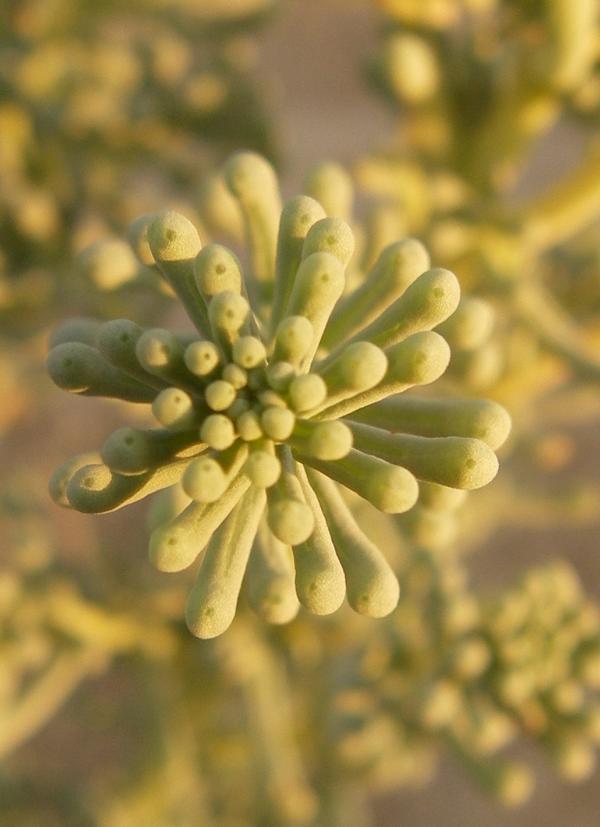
457	462
270	579
319	284
332	187
290	518
320	581
330	235
372	586
322	440
427	302
358	367
175	243
174	409
63	475
396	268
175	546
252	181
217	270
79	368
293	340
117	341
95	489
297	217
212	602
159	351
479	418
133	451
389	488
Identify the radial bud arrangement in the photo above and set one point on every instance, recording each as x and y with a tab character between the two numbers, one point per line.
282	405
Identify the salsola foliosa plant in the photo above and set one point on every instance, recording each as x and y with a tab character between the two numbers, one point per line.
288	388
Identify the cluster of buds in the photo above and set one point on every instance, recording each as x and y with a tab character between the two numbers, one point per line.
267	407
474	676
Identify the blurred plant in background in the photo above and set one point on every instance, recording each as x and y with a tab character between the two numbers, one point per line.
105	106
303	723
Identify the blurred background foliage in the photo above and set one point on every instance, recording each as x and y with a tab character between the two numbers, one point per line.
111	714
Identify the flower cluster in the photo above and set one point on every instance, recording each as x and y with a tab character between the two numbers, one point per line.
475	675
289	387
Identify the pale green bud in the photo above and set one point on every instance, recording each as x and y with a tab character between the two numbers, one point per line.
218	432
175	546
79	368
457	462
277	423
175	243
291	521
235	375
174	409
217	270
396	268
133	451
372	586
480	418
357	368
204	480
389	488
270	579
320	581
219	395
279	375
253	182
201	358
228	313
158	351
293	340
297	217
306	392
263	468
248	352
63	475
425	303
212	602
322	440
319	284
330	235
249	427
